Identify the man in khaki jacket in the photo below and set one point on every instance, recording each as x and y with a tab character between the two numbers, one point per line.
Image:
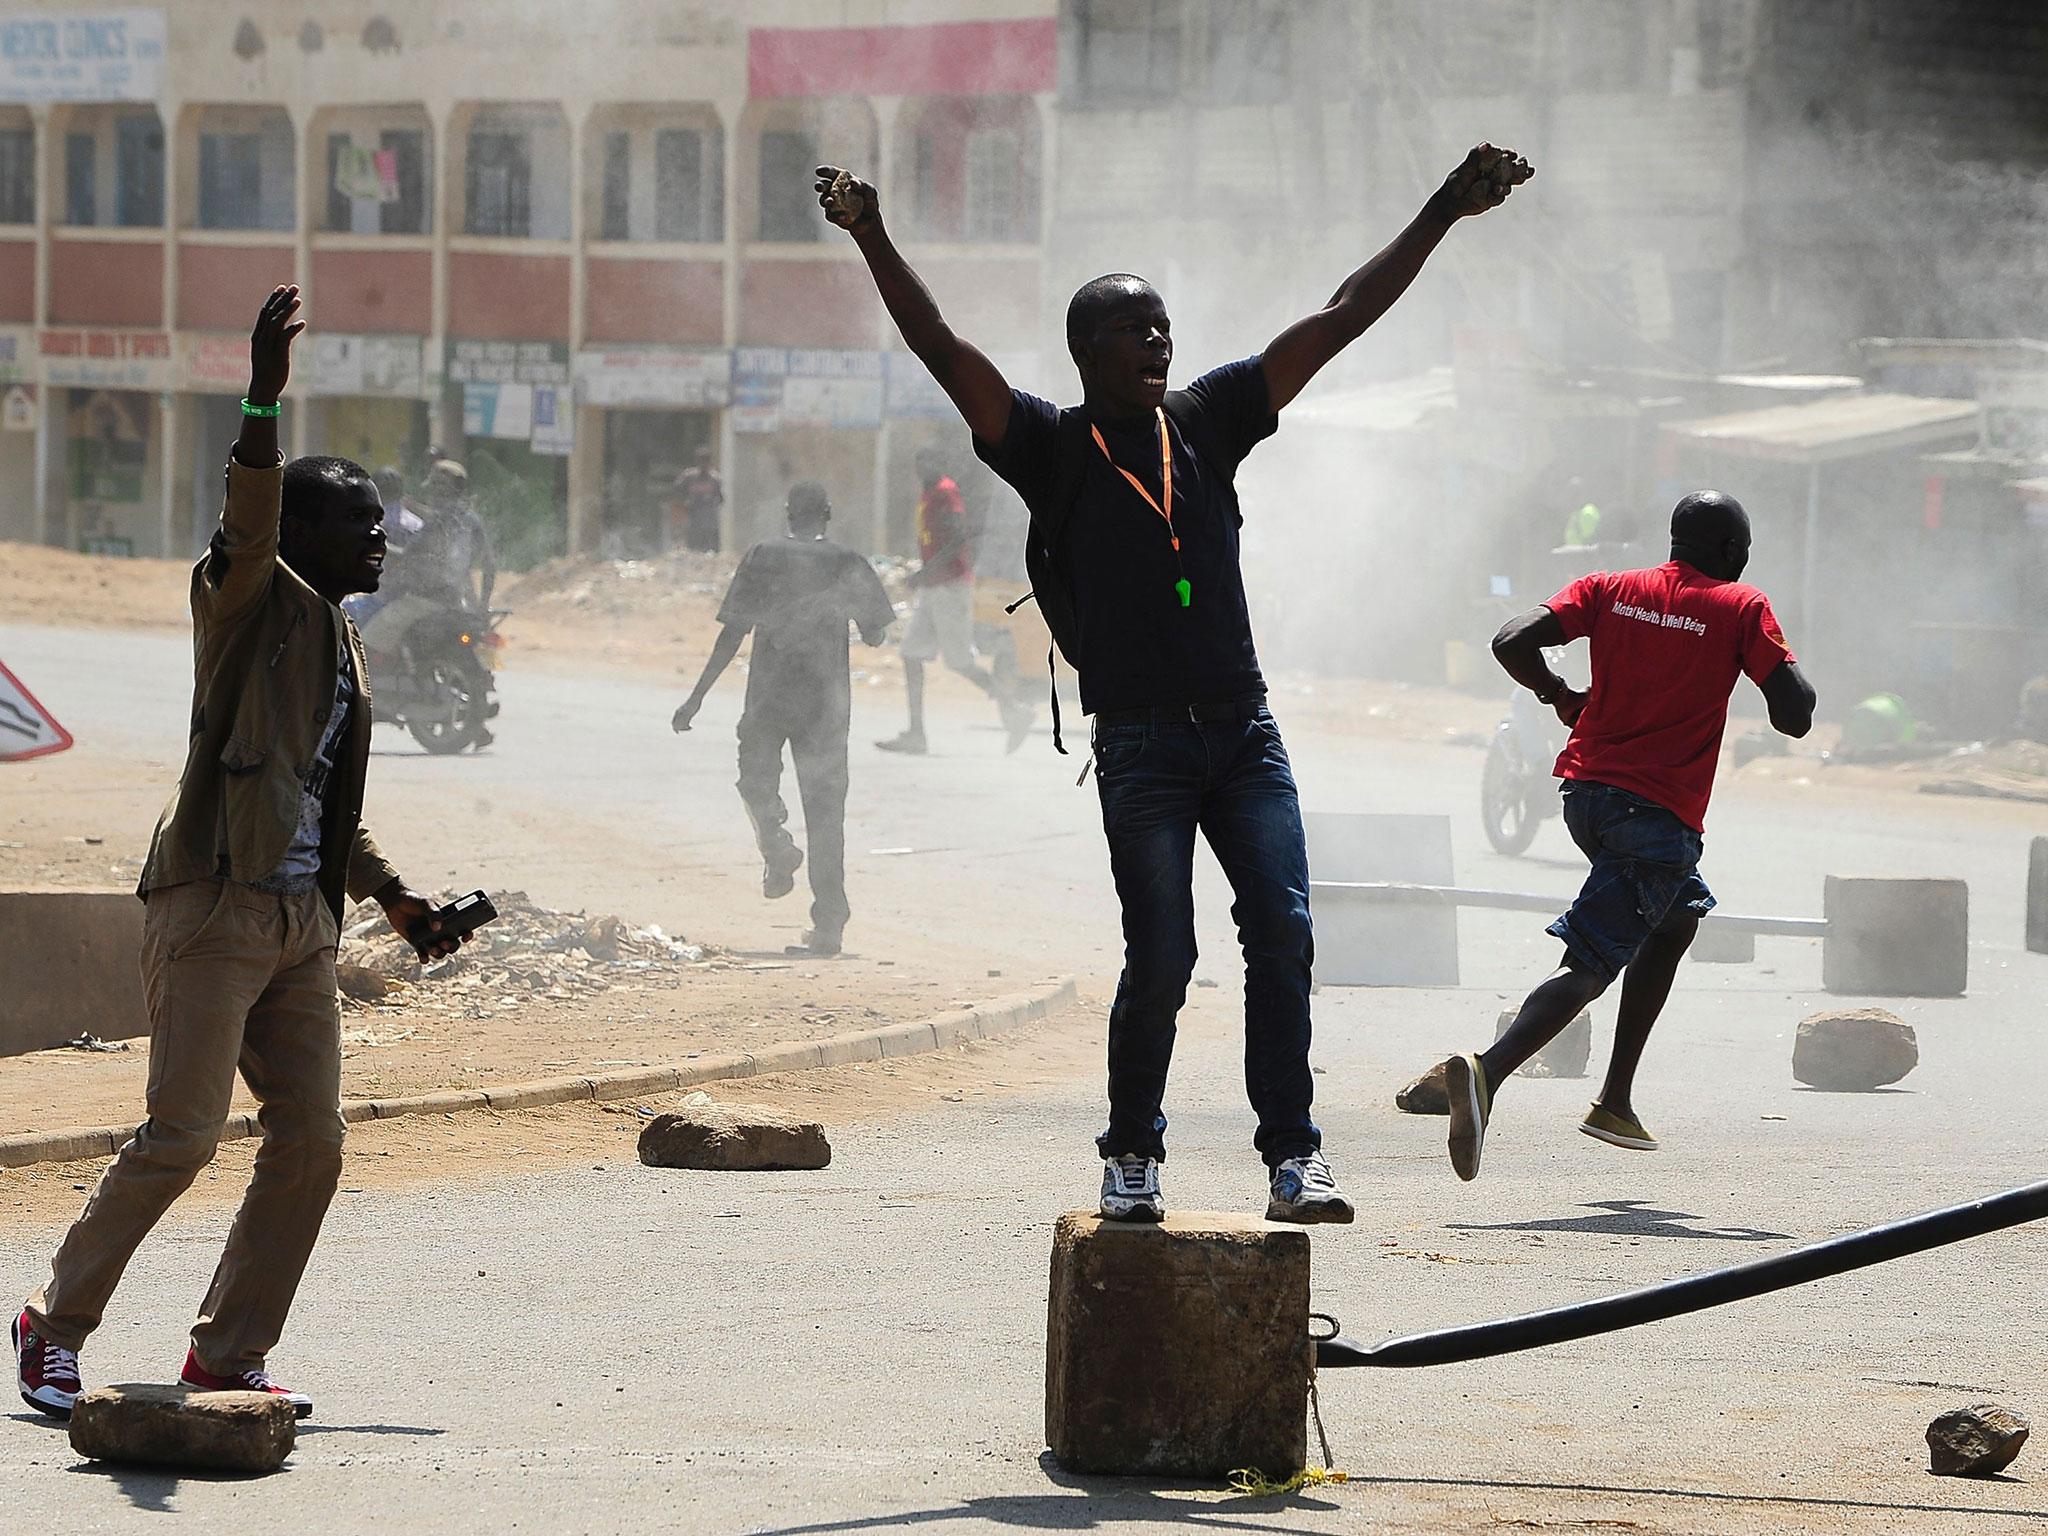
244	885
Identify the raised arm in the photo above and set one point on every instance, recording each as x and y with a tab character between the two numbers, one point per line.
1298	353
1519	649
975	385
242	558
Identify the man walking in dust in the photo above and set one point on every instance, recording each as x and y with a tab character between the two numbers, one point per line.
797	595
1134	526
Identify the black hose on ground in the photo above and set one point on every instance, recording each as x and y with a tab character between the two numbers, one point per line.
1675	1298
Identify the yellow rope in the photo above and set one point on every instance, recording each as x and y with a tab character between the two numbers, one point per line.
1254	1484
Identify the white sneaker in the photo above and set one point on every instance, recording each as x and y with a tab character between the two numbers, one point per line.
1305	1190
1130	1189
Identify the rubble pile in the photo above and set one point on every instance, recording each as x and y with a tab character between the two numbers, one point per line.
528	951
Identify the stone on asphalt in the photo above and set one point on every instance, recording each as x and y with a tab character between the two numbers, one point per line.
171	1426
1566	1056
733	1138
1976	1441
1852	1050
1426	1095
1178	1348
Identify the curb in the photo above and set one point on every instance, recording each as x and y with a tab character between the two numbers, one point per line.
888	1041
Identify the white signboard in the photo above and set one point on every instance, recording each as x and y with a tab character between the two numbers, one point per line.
677	377
18	408
81	55
107	359
26	728
391	366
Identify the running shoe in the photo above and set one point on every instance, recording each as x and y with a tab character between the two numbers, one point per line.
200	1379
46	1373
1305	1190
1130	1189
1604	1124
1471	1105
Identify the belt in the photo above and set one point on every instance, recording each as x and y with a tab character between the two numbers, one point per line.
1216	713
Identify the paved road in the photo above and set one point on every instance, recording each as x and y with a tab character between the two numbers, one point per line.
861	1349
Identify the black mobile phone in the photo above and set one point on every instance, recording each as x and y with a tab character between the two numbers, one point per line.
461	916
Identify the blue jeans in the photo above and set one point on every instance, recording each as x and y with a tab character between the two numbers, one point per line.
1645	877
1160	784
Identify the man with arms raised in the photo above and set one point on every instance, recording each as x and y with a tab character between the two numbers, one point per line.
244	884
1132	500
1668	645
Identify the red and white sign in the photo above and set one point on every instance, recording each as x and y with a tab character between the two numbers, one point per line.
26	728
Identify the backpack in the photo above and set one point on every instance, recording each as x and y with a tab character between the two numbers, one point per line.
1050	588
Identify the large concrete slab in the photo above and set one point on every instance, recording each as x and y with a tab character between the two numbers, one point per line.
70	960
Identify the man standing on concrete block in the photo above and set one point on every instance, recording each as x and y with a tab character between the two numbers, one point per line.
244	886
1133	553
797	594
1668	645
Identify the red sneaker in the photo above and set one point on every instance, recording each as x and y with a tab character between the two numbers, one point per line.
200	1379
46	1373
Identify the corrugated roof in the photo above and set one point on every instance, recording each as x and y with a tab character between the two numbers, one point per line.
1839	428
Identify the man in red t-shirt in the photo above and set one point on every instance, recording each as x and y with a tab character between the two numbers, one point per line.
942	608
1668	645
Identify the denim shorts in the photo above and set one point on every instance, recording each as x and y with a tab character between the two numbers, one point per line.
1645	877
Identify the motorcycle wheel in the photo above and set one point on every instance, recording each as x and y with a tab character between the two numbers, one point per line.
462	693
1505	803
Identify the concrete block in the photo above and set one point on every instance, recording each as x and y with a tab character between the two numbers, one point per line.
448	1101
908	1039
176	1427
74	962
534	1095
845	1050
59	1146
1370	942
711	1069
1723	944
1566	1056
1896	938
733	1137
798	1056
1179	1349
2037	897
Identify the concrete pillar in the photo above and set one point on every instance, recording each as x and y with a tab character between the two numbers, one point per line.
48	167
885	110
1179	1349
2037	897
582	520
175	128
1896	938
729	115
444	415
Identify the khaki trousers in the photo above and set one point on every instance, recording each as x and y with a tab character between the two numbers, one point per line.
234	977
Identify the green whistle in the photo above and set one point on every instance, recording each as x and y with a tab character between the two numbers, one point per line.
1185	589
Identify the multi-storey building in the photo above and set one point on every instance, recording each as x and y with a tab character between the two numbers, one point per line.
576	245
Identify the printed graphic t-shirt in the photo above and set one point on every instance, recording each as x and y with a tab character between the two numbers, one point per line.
942	520
797	596
1139	647
1668	645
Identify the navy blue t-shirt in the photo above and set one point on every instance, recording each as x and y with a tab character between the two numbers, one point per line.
1139	647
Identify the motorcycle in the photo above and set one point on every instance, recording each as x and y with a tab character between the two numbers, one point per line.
1516	788
440	683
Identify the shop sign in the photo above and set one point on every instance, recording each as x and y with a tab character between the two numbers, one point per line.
81	55
775	386
18	408
508	362
17	355
108	359
213	364
384	366
539	415
912	394
677	377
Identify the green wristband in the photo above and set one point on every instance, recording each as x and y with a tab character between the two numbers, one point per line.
262	410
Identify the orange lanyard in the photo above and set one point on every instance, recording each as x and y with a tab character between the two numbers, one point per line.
1181	588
